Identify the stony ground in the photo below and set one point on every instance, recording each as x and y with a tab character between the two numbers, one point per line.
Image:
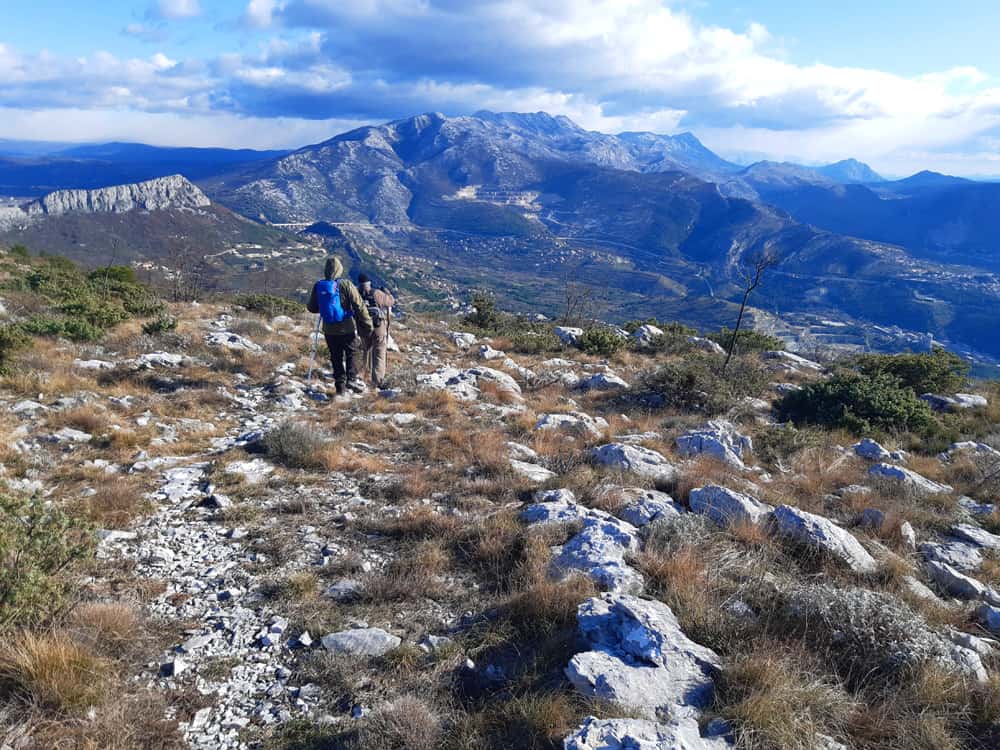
500	550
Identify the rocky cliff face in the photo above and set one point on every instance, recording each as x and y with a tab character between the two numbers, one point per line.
174	192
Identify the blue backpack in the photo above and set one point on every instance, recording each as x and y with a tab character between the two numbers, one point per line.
328	297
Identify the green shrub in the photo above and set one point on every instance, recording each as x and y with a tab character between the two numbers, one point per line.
857	403
161	324
117	274
269	305
601	341
70	328
534	341
20	251
37	543
484	314
695	383
775	443
747	340
12	338
939	371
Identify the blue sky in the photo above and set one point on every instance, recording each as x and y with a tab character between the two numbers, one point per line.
904	87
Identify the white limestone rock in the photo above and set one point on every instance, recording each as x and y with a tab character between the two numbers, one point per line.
959	555
641	507
575	423
727	507
976	535
870	450
646	335
230	340
532	472
822	534
793	360
641	734
462	340
603	381
719	439
635	459
361	642
641	658
909	479
568	335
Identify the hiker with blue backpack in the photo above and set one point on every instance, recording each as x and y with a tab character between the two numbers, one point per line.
345	317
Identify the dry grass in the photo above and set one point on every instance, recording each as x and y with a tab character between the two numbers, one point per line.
414	575
113	629
484	451
118	501
496	549
88	418
345	460
407	723
52	673
777	703
419	523
546	606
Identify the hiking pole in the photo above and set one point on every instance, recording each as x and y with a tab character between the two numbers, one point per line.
312	358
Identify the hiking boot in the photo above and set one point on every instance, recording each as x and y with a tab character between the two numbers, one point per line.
340	389
357	386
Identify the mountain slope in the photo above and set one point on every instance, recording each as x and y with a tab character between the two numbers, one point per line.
850	171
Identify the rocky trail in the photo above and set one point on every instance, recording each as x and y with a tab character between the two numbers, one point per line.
405	533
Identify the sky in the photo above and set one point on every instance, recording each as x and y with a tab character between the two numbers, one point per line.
902	86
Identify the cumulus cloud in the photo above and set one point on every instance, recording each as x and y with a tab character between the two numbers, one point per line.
260	13
173	9
611	65
153	34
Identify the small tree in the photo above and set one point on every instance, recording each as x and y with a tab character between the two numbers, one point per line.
753	273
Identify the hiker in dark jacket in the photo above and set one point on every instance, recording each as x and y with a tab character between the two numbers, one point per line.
345	316
379	302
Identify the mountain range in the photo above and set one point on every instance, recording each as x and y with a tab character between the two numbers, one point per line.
526	203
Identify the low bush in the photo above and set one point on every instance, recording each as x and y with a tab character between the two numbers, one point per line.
939	371
696	383
601	341
296	445
37	544
269	305
747	340
160	324
857	403
12	338
776	443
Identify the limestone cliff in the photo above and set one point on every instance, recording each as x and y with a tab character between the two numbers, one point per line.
173	192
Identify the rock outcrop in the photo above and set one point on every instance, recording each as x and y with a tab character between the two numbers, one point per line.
174	192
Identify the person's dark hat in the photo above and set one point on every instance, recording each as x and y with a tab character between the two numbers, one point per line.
363	278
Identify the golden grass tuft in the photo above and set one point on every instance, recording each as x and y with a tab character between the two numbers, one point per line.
52	673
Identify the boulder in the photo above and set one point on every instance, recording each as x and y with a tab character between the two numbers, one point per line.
706	345
976	535
793	360
465	384
976	508
646	335
159	359
462	340
602	381
69	435
575	423
598	550
641	734
956	584
635	459
958	402
727	507
532	472
641	507
909	479
487	352
959	555
822	534
361	642
641	658
230	340
870	450
989	616
970	447
93	364
568	335
718	439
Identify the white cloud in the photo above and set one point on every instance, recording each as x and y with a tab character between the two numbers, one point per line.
174	9
260	13
609	64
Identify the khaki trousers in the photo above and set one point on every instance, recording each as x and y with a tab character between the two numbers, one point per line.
376	354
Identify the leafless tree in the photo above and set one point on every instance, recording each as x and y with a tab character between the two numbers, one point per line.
753	270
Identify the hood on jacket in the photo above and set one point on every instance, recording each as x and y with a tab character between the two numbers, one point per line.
334	269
